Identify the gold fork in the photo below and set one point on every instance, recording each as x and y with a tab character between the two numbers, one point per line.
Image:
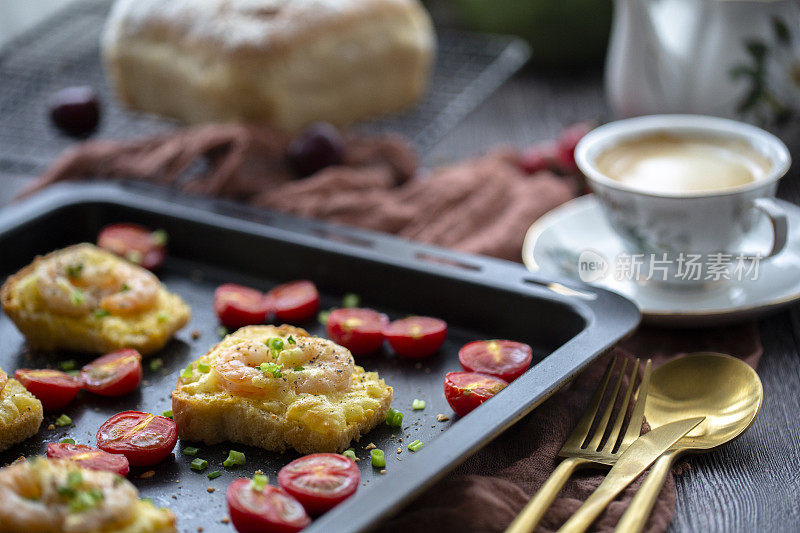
583	449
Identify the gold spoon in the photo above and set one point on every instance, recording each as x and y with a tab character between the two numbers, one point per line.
719	387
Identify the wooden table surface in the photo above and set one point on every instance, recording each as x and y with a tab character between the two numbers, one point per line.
752	484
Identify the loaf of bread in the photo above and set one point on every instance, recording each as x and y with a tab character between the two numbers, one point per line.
285	62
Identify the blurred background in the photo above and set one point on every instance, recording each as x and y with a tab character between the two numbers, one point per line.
16	16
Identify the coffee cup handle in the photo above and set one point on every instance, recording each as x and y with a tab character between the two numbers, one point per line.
780	224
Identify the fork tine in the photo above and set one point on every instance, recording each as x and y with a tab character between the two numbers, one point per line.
635	425
616	430
597	438
581	431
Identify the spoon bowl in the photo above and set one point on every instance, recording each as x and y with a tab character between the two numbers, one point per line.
719	387
723	389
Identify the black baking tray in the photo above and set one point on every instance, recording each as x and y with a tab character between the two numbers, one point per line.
211	242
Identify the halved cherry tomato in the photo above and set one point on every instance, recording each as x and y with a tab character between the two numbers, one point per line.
320	481
88	457
55	389
467	390
144	439
506	360
135	243
114	374
294	302
357	329
269	509
416	337
238	306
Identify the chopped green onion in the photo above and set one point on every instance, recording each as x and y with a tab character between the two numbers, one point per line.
322	317
350	300
134	256
234	459
198	465
63	420
148	500
378	459
275	344
167	413
162	316
74	479
291	340
187	372
76	297
259	482
416	445
350	453
270	368
299	368
159	237
394	418
156	364
74	271
67	365
100	313
84	500
416	405
221	331
190	450
214	475
204	368
67	441
125	288
73	373
66	492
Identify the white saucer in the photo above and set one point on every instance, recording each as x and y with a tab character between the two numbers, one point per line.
555	241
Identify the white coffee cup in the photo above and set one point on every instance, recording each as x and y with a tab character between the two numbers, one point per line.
671	224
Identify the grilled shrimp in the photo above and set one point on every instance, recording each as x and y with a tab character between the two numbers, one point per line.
74	285
304	364
237	369
319	365
45	495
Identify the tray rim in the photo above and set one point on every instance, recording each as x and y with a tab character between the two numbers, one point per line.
609	317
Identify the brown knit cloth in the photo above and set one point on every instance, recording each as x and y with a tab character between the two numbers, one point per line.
479	206
483	205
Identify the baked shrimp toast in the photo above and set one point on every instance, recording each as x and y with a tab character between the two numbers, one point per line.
86	299
55	496
20	412
278	388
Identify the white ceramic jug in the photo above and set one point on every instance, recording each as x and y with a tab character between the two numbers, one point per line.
731	58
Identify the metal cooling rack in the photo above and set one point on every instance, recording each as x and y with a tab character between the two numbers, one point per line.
64	50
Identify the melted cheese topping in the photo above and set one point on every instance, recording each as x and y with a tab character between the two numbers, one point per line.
328	414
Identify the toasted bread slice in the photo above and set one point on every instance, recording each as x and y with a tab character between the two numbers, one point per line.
206	411
44	329
20	414
117	510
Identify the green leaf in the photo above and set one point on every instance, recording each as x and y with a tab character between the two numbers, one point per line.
741	71
757	49
750	100
781	31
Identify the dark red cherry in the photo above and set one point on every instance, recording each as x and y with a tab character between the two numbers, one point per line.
75	110
319	146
